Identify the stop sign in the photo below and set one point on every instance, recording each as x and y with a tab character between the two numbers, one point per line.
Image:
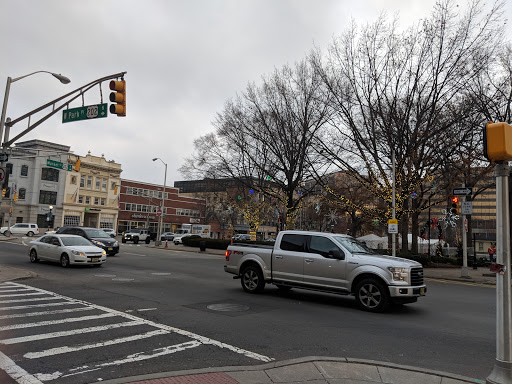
159	212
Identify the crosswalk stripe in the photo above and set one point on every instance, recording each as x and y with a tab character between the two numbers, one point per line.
22	294
43	313
66	349
39	305
53	322
16	372
25	300
79	331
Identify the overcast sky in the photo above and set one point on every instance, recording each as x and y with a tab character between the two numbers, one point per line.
184	58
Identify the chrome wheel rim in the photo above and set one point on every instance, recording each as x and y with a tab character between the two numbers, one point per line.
251	280
370	296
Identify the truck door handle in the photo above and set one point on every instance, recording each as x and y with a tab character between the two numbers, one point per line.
279	257
308	260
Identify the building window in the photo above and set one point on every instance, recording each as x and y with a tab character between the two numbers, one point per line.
9	168
73	179
50	174
82	181
47	197
22	194
24	170
102	201
98	183
104	185
89	182
107	222
87	200
71	220
96	201
80	199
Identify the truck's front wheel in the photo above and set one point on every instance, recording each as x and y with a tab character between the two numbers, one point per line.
372	295
252	279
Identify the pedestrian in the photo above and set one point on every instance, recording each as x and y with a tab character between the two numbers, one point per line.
491	251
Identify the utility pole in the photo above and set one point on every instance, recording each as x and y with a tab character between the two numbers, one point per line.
502	371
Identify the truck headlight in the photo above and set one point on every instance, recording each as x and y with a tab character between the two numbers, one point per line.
398	274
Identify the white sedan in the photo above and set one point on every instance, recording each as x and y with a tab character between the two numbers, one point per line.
67	250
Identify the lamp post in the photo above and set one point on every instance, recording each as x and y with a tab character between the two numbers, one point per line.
61	78
159	234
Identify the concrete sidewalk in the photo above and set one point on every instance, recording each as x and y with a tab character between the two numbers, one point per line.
313	370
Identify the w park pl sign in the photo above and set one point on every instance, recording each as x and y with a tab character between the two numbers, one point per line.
84	113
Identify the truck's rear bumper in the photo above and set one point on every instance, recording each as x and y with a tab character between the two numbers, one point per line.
408	291
231	269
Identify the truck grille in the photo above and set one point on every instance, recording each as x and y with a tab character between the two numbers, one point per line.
416	276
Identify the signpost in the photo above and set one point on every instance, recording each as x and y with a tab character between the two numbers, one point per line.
85	113
159	212
58	165
392	226
462	191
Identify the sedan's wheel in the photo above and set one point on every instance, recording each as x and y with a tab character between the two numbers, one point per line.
64	261
252	279
30	234
7	233
372	295
33	256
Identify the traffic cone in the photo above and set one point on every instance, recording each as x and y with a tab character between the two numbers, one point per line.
165	243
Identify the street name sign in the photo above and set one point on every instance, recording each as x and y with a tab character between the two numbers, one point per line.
462	191
58	165
85	113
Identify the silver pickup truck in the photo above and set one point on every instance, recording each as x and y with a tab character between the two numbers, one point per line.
327	262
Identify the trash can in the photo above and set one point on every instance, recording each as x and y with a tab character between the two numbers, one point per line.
202	245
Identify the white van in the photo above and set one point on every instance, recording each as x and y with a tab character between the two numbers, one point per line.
28	229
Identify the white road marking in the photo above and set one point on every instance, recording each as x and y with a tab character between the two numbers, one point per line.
42	313
79	331
38	305
66	349
21	294
53	322
135	254
25	300
17	373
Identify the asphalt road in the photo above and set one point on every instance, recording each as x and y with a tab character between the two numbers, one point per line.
189	313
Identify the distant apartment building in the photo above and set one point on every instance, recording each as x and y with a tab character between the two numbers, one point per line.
139	205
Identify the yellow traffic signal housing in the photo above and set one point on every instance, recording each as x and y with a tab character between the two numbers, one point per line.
3	192
77	165
118	97
455	206
15	197
498	142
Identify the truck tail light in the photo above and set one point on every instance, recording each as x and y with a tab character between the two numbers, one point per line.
228	253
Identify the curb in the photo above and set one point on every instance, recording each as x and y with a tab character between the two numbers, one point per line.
300	360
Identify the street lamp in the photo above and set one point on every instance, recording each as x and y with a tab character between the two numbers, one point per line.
63	79
50	216
158	241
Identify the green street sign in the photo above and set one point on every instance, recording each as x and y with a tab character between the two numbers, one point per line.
85	113
58	165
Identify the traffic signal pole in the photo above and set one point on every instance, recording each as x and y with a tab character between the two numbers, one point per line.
502	371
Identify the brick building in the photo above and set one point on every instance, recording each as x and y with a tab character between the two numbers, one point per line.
139	202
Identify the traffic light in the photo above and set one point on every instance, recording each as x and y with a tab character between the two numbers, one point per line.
118	97
3	192
498	141
455	206
77	165
15	197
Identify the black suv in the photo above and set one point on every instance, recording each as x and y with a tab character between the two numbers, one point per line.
96	236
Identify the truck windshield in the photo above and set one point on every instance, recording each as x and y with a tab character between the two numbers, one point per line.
352	245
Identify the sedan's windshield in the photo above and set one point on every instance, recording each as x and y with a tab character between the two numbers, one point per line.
352	245
92	233
75	241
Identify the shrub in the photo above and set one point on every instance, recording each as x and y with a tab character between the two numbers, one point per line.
195	241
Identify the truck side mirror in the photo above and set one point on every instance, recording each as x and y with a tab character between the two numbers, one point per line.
337	254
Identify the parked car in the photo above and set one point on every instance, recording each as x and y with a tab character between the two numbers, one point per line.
66	250
179	239
96	236
242	237
28	229
167	236
110	232
138	234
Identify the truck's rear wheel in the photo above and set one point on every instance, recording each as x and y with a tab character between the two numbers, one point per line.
252	279
372	295
148	239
